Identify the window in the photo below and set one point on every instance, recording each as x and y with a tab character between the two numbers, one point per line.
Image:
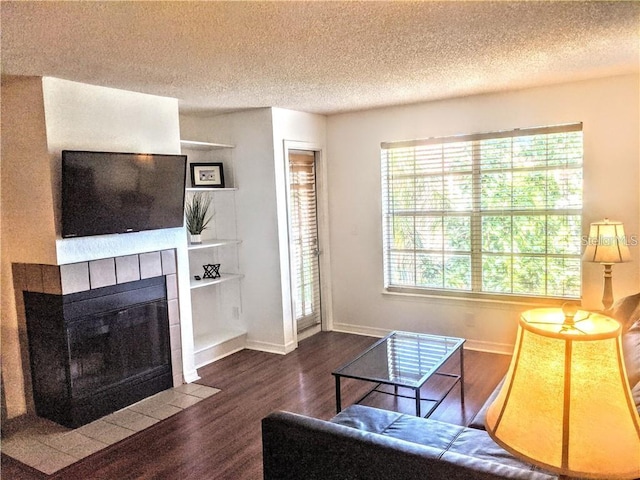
496	213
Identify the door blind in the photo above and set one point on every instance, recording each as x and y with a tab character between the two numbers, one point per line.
304	238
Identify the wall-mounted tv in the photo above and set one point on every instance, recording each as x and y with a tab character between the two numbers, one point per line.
111	192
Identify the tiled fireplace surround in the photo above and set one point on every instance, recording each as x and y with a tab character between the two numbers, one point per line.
82	276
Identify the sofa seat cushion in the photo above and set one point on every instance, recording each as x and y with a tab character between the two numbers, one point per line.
398	425
478	444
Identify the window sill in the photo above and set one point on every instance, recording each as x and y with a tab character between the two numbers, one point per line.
463	298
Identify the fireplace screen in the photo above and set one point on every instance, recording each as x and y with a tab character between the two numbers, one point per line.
110	348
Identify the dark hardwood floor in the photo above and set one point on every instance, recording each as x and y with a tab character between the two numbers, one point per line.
219	438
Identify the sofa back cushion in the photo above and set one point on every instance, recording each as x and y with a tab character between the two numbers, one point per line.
627	312
631	349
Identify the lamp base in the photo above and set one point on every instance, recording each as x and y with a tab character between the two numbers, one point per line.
607	294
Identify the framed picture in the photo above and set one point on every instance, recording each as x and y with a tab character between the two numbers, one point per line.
207	175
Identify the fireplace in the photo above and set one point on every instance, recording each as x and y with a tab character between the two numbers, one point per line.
99	350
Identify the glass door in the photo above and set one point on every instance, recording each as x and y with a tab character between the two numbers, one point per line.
303	240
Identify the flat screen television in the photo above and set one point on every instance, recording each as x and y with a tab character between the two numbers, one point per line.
110	192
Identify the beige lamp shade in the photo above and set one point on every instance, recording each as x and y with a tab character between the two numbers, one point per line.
606	243
566	404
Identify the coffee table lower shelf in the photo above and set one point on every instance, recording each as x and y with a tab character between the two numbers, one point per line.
417	396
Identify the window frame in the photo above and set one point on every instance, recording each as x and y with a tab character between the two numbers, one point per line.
476	215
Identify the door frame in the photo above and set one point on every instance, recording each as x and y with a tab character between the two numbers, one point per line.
322	205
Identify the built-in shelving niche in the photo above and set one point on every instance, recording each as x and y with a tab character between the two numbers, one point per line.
216	303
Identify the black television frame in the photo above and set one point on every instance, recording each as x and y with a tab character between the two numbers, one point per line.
78	219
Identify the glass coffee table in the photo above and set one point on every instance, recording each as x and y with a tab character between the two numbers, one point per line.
404	359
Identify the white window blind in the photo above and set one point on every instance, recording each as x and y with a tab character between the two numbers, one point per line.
497	213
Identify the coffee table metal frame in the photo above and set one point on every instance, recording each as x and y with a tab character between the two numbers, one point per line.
454	345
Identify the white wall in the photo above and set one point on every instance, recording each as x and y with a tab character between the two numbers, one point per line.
27	195
609	110
48	115
28	227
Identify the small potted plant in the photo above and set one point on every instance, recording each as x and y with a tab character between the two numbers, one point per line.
197	215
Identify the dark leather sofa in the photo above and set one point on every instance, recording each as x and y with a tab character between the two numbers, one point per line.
372	444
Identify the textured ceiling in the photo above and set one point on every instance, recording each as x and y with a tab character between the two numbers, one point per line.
321	57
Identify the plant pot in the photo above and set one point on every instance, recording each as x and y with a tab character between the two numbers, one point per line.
193	238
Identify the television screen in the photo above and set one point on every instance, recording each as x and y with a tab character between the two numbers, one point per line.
109	192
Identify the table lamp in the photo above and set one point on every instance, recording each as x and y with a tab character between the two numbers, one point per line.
607	245
566	404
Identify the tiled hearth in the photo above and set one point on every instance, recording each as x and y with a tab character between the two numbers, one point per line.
82	276
49	447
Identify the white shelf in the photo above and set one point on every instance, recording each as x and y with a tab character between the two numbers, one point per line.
195	145
213	244
208	189
205	282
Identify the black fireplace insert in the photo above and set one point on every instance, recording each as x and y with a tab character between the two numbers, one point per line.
98	351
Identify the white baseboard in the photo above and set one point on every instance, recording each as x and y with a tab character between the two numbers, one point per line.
470	344
190	377
212	354
207	355
210	357
490	347
360	330
270	347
